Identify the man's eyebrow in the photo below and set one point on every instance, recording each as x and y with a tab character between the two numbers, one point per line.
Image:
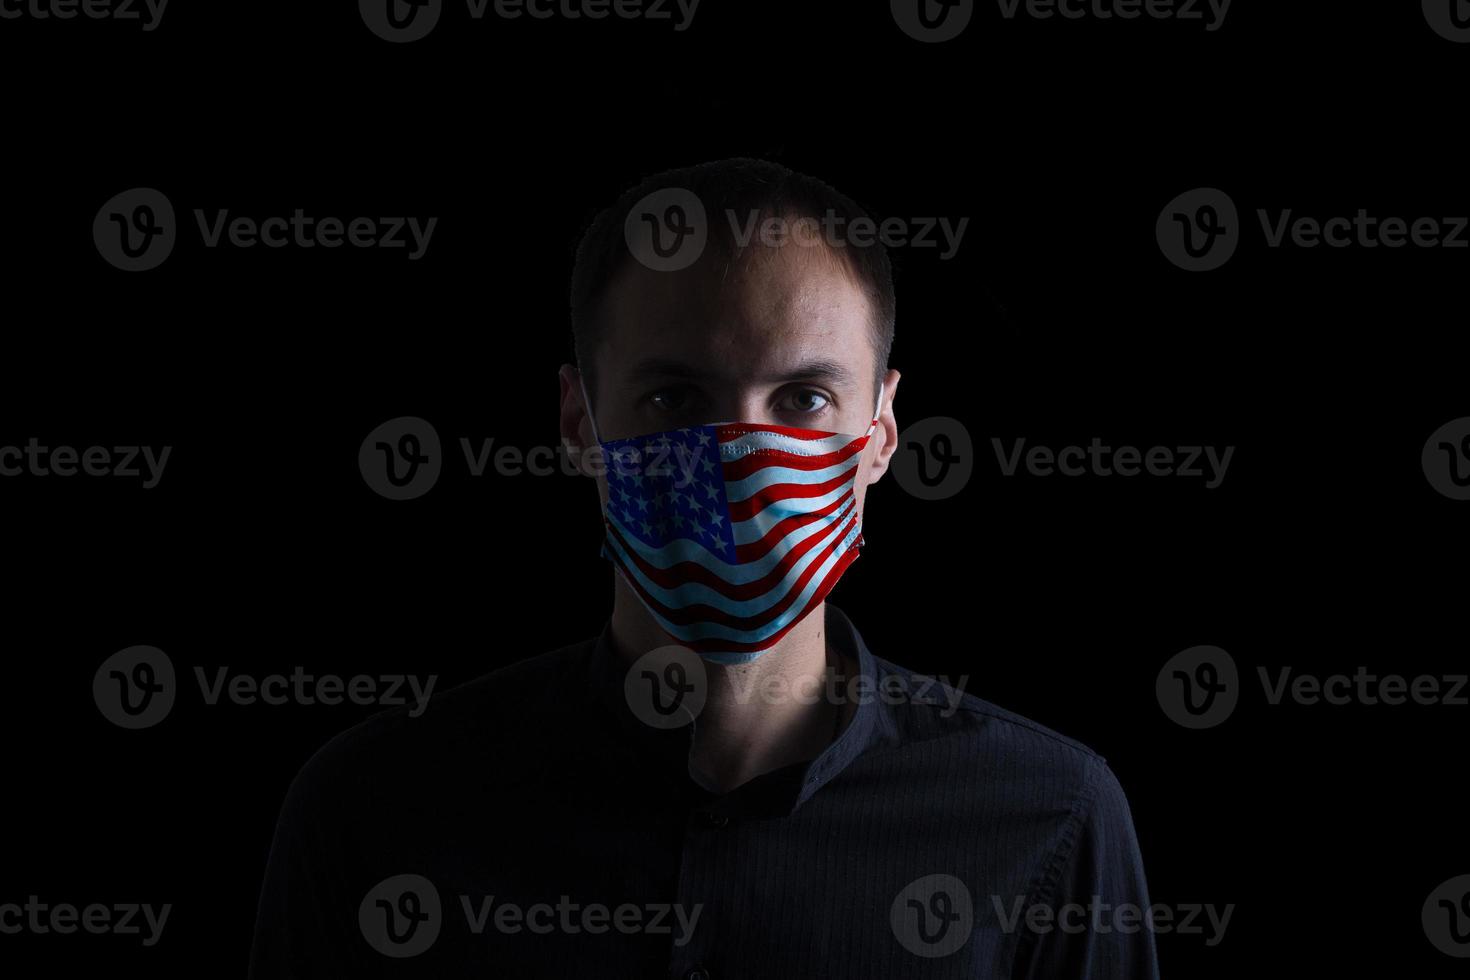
664	367
823	369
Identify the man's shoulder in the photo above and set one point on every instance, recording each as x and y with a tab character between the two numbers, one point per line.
511	702
960	729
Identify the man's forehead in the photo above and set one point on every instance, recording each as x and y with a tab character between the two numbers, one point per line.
771	366
761	319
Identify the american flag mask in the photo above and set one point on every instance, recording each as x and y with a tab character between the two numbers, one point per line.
731	533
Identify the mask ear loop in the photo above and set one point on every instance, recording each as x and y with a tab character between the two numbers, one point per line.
872	427
587	402
878	413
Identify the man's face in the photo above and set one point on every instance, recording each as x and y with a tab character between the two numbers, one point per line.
783	338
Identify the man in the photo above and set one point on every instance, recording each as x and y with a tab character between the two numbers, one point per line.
726	782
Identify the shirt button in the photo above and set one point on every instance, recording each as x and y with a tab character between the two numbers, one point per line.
714	821
698	973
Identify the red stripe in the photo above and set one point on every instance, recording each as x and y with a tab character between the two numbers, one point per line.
702	612
744	510
734	430
756	550
727	646
690	571
739	469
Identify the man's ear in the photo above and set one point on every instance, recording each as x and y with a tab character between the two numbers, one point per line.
886	433
575	423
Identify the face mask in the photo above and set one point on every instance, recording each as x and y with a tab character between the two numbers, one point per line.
731	533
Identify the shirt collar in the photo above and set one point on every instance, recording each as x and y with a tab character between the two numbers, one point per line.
771	794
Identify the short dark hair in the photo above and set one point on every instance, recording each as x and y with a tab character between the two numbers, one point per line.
741	185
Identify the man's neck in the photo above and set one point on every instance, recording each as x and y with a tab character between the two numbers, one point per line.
757	717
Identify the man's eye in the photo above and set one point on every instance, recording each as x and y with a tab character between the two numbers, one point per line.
806	401
669	399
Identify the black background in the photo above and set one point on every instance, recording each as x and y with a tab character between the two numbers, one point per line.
1059	320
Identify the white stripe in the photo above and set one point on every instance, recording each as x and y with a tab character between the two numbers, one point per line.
686	549
690	593
717	631
737	490
759	524
744	445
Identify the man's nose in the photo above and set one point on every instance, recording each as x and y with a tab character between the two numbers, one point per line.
743	405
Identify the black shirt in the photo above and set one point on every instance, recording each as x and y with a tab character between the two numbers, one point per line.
528	824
